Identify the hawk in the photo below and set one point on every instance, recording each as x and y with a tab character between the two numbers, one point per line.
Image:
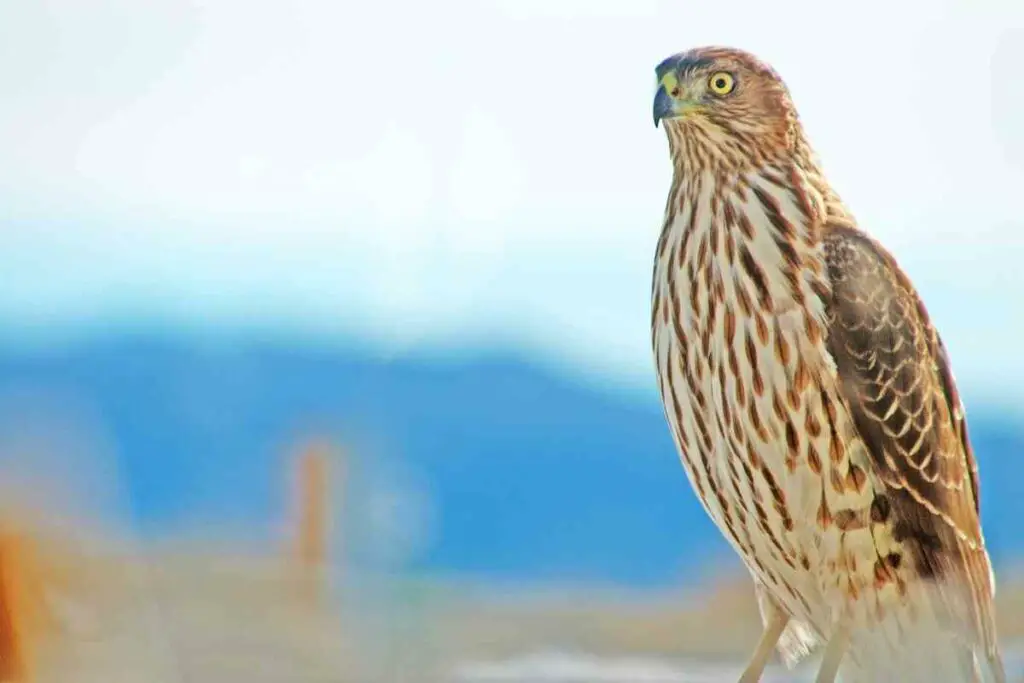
810	397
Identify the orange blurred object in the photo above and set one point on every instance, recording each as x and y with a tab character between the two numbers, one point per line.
313	512
20	606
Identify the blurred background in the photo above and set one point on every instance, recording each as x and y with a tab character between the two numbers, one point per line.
324	346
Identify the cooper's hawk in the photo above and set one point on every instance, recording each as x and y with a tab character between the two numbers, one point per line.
809	395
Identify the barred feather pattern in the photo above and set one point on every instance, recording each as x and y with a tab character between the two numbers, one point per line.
815	412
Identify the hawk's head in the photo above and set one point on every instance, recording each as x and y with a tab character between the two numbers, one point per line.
723	95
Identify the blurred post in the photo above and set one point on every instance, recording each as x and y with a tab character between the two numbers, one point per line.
313	506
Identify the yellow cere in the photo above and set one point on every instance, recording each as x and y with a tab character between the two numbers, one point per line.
669	82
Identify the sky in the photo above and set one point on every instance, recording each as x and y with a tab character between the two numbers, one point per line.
457	173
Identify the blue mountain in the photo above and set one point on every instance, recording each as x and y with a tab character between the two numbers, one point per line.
492	466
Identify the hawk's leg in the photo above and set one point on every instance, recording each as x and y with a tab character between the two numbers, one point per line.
834	653
995	663
774	625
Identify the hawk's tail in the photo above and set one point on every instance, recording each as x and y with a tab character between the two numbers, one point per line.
930	637
949	662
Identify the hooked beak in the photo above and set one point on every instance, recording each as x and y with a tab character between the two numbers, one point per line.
670	101
664	105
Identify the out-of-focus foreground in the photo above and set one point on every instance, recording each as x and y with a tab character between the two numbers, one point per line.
79	605
251	513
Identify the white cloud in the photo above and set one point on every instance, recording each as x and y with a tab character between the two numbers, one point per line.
485	180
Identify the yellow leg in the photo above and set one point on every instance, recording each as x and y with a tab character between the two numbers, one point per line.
995	663
834	652
773	629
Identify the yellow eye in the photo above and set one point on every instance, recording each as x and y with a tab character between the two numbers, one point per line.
721	83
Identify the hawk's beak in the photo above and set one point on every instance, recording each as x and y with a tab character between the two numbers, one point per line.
664	105
670	101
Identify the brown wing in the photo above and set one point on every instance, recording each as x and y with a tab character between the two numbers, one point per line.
895	376
959	417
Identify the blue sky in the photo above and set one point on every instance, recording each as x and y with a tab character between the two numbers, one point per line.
411	174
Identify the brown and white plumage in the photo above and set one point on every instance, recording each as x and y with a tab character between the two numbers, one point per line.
809	395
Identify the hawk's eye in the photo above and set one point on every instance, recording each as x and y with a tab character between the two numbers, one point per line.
721	83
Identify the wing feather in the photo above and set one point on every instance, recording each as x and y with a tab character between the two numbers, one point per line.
895	375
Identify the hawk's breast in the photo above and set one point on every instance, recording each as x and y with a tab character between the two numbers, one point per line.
748	387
